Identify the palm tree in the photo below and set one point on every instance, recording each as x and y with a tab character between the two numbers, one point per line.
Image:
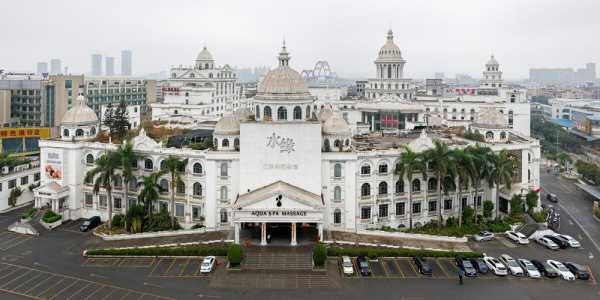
481	157
438	160
150	191
175	167
127	159
501	174
105	174
464	168
410	163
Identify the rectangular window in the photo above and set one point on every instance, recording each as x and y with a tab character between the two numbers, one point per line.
12	183
36	177
117	203
132	202
448	204
179	210
383	210
464	202
416	208
400	209
102	202
0	187
68	84
479	202
432	206
365	213
196	212
24	180
89	200
164	206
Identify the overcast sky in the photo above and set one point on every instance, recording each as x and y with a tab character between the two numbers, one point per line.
451	36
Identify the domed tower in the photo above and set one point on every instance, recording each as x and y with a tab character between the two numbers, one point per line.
491	124
226	136
204	60
492	76
336	134
282	95
79	123
389	62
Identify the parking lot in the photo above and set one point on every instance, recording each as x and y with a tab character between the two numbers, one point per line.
157	267
10	240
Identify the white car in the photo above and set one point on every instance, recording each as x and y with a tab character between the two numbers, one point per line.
573	243
517	237
495	266
483	236
548	243
529	268
513	266
561	269
347	265
208	264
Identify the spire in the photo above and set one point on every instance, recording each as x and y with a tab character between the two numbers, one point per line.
284	57
390	35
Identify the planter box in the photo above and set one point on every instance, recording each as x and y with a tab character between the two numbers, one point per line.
51	226
143	235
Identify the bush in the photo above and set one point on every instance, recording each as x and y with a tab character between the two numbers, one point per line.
488	208
498	226
390	252
159	222
197	226
136	225
467	215
234	254
14	195
539	217
319	254
118	221
51	217
194	250
29	213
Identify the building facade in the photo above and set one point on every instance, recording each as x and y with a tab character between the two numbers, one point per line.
101	91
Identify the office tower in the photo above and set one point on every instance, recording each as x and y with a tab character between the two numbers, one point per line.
42	67
96	64
55	67
126	63
110	66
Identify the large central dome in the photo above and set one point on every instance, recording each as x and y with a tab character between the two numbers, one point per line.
283	82
389	51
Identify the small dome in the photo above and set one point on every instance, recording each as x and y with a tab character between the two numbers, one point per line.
325	114
492	61
390	50
243	113
228	125
489	117
204	55
283	81
336	125
80	114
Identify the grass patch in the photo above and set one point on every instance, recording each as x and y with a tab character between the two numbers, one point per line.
29	213
191	250
374	252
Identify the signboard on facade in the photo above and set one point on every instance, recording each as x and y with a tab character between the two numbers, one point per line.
43	133
53	166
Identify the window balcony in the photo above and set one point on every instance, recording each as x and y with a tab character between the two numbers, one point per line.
365	198
399	194
382	196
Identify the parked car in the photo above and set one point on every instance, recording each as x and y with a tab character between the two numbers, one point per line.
479	265
578	270
546	269
363	266
495	266
573	243
90	223
208	264
466	266
347	265
530	270
513	266
551	197
483	236
548	243
561	243
422	265
562	270
517	237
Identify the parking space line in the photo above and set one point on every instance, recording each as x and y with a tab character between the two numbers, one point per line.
184	266
170	266
398	266
410	263
38	284
442	268
107	295
155	266
9	273
8	282
52	286
64	289
78	291
199	268
125	296
27	281
19	242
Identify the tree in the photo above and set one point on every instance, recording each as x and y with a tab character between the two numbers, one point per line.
13	196
438	160
565	160
150	190
410	163
468	214
531	201
109	117
481	157
516	205
127	160
120	123
503	166
175	168
488	208
464	168
104	173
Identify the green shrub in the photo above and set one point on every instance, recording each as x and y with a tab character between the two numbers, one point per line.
234	254
51	217
319	254
391	252
498	226
539	217
488	208
159	222
118	221
467	215
197	226
29	213
194	250
136	225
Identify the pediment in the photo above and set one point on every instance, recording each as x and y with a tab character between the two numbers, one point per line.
279	195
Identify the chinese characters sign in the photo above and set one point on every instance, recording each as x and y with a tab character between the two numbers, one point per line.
285	145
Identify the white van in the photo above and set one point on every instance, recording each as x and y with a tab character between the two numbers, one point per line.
347	266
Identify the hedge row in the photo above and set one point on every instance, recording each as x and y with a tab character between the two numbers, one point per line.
51	217
193	250
374	252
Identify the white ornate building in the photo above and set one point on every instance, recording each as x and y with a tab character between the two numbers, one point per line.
291	163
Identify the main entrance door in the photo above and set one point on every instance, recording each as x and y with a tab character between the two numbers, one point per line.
279	234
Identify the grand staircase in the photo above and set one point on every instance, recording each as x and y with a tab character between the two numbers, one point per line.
274	258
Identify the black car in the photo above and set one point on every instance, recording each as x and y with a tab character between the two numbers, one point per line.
479	265
578	270
422	265
466	266
545	269
561	243
90	223
552	198
363	266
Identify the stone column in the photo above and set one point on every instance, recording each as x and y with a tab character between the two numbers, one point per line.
294	241
320	227
236	229
263	234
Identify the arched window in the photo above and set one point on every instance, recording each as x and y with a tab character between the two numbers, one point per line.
257	111
192	75
93	131
164	184
365	169
383	188
337	216
489	135
308	111
399	186
236	143
337	170
224	170
133	184
416	185
337	144
337	193
365	190
223	193
326	145
432	184
180	187
118	183
163	165
281	113
66	132
503	135
148	165
297	113
197	189
223	215
79	132
383	168
347	142
225	143
197	168
89	159
267	113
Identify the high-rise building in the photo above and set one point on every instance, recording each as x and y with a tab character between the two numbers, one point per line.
110	66
55	66
102	91
96	65
42	68
126	62
563	75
